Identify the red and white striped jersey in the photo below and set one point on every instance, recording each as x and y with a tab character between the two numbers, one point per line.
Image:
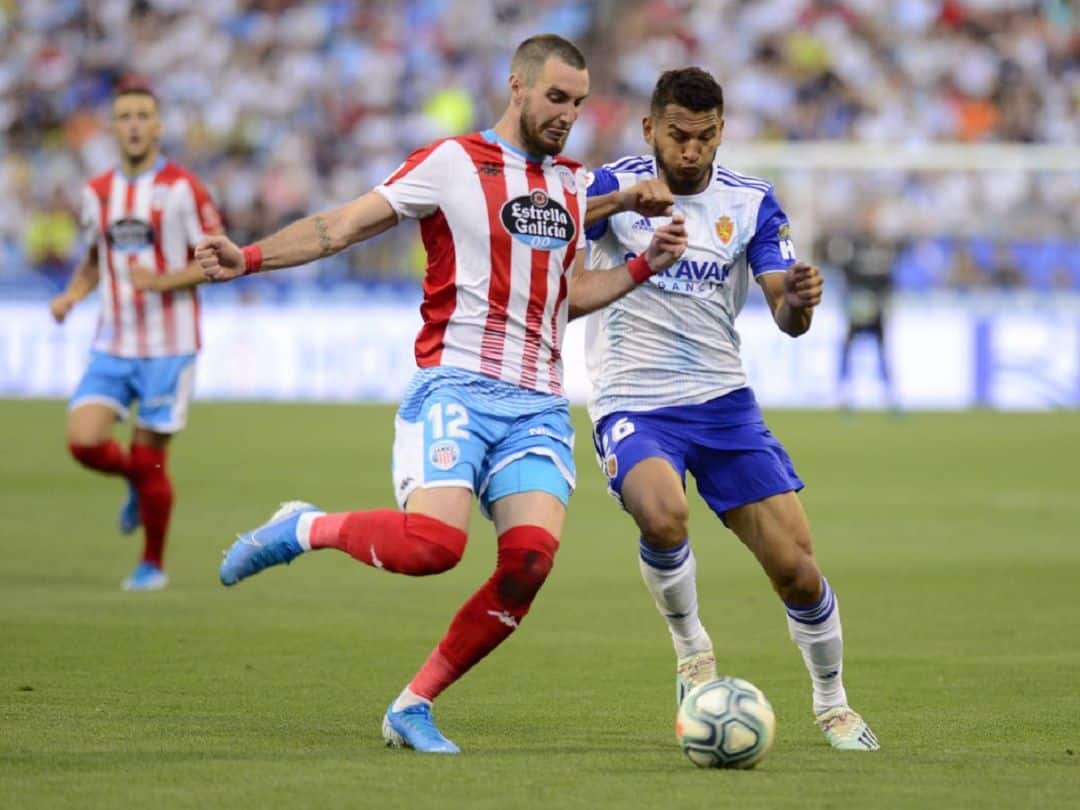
154	220
501	230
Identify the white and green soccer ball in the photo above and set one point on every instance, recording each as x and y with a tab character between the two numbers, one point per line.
726	723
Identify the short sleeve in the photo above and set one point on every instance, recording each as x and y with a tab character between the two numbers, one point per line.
89	215
201	216
771	247
415	189
598	183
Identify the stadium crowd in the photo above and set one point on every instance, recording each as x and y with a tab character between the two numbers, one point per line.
287	107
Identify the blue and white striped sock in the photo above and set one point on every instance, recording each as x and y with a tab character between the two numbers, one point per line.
817	632
670	574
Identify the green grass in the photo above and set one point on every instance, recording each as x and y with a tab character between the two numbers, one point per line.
950	539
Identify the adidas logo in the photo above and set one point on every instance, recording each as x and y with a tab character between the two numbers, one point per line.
642	225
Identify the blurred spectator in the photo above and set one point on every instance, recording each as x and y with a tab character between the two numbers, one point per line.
51	240
287	107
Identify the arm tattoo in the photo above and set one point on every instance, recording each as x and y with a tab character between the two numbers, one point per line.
324	236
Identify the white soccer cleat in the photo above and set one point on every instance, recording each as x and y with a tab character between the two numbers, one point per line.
846	730
693	670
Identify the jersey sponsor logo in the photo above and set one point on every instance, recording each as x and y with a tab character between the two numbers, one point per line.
130	235
725	228
692	277
444	454
566	177
786	245
538	221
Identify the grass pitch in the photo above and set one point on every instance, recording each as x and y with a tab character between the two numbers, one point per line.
951	541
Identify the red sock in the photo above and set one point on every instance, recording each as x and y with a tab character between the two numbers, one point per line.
107	457
526	554
155	498
402	542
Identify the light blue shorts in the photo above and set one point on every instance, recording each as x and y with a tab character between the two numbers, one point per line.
456	428
161	385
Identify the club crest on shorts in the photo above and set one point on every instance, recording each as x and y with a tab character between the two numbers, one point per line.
611	465
444	455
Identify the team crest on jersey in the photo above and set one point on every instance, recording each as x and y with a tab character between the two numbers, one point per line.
566	177
725	228
538	221
130	235
444	455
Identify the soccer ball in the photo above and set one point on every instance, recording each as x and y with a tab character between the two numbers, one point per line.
726	723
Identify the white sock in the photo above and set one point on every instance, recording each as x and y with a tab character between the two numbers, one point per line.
670	574
408	698
816	629
303	528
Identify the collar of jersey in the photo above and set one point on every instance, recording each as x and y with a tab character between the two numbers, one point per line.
493	137
706	190
159	164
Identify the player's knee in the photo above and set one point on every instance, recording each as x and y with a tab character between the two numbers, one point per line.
797	580
526	556
83	452
438	547
520	575
665	523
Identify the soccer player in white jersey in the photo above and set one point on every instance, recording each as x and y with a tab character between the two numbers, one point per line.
142	221
669	392
501	218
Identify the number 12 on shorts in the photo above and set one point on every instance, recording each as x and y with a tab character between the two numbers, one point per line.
449	421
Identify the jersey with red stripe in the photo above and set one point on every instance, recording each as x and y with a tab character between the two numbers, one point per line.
501	230
154	220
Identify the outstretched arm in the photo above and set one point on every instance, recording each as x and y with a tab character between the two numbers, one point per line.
83	282
305	240
591	290
792	296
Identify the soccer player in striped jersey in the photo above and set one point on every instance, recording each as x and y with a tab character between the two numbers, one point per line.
501	216
142	221
670	394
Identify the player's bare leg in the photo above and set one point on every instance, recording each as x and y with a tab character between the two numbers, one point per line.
653	494
777	531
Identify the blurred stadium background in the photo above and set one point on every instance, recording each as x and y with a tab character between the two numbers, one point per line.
943	132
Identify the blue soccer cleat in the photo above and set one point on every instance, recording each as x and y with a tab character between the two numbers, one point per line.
129	513
145	577
413	727
272	543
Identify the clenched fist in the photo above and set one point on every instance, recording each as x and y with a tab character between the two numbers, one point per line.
803	284
219	258
650	198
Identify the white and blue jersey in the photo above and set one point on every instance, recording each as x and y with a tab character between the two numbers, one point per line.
664	359
672	340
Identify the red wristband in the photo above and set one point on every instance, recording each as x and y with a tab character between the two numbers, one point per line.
639	269
252	259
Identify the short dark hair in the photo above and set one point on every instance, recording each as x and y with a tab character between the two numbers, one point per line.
691	87
530	56
133	86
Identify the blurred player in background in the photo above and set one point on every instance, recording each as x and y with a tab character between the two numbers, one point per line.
670	394
501	219
142	221
866	262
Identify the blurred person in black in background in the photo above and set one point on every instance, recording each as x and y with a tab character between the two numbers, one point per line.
866	261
